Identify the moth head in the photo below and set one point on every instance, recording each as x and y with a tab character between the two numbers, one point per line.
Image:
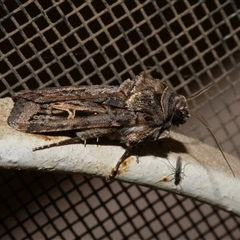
181	113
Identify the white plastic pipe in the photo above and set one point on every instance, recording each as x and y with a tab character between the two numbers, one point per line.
206	177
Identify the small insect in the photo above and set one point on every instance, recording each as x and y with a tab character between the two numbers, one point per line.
139	110
177	171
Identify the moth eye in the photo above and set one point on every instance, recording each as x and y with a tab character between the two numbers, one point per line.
176	116
180	117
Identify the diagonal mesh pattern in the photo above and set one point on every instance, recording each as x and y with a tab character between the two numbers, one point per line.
190	44
48	206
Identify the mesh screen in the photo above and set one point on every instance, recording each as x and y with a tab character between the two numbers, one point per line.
190	44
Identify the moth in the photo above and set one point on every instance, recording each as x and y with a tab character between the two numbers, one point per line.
139	110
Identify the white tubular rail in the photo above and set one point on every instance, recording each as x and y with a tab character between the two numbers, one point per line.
205	175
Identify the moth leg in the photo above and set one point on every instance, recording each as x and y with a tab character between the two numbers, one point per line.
94	133
120	161
81	137
139	148
164	134
61	143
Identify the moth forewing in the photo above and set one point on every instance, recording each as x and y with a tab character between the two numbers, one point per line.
63	94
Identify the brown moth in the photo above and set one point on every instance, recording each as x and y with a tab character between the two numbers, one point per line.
139	110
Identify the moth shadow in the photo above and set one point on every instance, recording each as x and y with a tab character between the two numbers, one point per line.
162	148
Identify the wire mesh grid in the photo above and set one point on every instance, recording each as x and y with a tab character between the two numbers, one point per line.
58	43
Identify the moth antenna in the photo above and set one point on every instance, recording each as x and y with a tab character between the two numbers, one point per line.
199	93
218	144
